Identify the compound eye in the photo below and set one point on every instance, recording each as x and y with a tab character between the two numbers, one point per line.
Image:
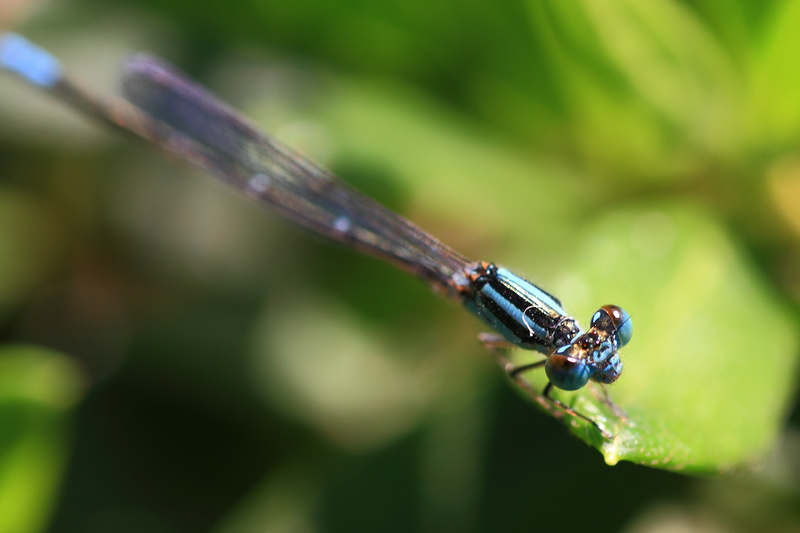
567	373
619	320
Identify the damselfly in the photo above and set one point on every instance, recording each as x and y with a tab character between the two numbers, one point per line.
180	116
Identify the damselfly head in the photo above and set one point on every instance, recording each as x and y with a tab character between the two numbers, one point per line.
613	326
593	354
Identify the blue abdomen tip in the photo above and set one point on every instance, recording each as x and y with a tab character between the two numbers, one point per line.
35	64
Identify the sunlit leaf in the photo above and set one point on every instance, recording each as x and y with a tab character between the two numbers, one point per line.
709	373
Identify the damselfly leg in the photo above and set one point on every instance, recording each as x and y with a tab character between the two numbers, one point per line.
499	348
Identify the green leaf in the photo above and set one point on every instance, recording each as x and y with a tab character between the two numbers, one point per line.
708	376
38	388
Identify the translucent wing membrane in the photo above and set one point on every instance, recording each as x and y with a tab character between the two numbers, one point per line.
256	163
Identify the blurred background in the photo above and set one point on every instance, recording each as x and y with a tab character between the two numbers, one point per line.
175	359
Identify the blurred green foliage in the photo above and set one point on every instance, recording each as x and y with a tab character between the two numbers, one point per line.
241	375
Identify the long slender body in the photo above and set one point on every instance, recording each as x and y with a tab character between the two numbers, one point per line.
186	120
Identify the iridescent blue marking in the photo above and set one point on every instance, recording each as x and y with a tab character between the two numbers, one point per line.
36	65
601	355
520	311
526	287
518	315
